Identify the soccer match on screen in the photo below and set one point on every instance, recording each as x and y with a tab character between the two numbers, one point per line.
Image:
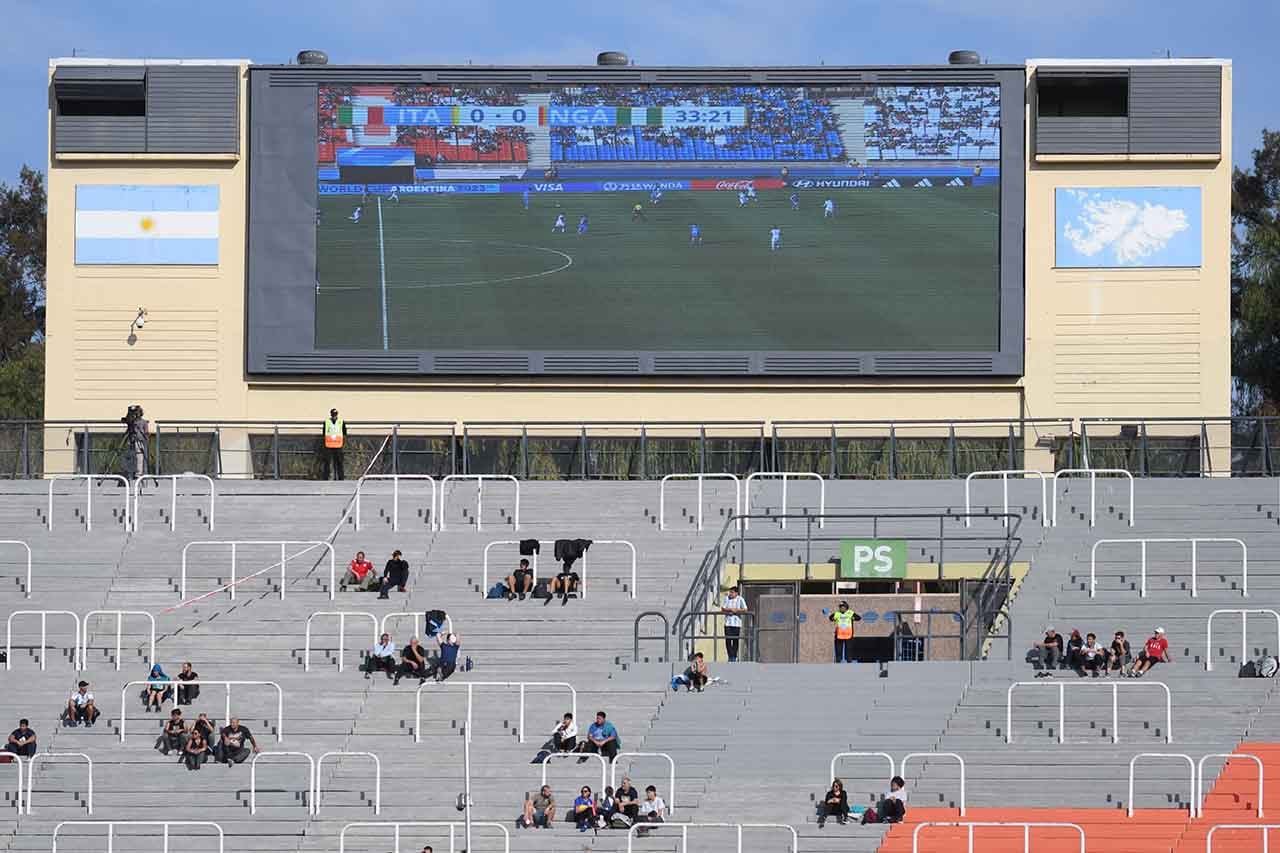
601	217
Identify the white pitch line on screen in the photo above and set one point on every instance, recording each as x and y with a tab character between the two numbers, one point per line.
568	262
382	269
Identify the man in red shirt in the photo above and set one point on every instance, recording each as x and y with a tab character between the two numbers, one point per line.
1156	650
360	575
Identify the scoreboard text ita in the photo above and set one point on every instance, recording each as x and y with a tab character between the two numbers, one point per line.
480	115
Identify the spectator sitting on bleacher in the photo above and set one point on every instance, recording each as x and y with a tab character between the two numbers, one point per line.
835	803
1093	655
447	660
1075	653
520	582
539	811
1119	655
584	810
188	694
1154	651
565	735
697	673
627	799
564	585
382	657
173	734
80	706
413	662
891	808
196	750
234	744
159	688
602	738
22	740
395	574
652	808
205	726
360	574
1051	652
607	807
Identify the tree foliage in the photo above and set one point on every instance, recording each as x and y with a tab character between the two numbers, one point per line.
22	283
1255	279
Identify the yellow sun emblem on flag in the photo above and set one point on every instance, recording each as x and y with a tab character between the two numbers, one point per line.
147	223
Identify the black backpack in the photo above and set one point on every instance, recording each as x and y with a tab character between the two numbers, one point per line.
435	620
1248	669
540	589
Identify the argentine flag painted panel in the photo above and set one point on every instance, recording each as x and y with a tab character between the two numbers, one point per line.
147	224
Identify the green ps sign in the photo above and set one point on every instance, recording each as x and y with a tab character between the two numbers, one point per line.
873	559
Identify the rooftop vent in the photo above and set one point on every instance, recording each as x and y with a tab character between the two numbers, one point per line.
964	57
612	57
313	57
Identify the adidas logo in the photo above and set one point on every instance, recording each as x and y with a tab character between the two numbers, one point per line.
892	182
955	182
924	182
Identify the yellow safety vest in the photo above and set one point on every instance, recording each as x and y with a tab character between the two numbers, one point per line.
333	436
844	624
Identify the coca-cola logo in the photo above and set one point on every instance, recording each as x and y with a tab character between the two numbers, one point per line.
733	185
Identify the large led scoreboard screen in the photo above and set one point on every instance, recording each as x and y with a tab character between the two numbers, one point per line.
650	218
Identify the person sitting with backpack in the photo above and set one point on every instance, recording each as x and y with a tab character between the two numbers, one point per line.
835	803
585	810
520	582
892	807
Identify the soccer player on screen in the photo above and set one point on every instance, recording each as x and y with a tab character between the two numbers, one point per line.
394	196
742	198
558	228
695	235
751	192
637	212
828	209
524	198
582	225
355	214
655	196
795	201
775	238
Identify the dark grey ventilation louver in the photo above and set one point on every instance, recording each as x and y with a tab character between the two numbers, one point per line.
343	363
587	363
949	365
481	363
698	364
824	365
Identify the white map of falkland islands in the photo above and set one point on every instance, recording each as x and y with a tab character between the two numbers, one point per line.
1127	227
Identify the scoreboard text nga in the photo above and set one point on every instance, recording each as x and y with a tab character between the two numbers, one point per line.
481	115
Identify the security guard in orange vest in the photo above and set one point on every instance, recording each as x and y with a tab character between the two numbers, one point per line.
335	435
844	619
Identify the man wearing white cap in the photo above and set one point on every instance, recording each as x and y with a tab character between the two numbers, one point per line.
1156	650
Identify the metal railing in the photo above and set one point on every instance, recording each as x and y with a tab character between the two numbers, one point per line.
17	761
1024	826
284	560
479	478
201	682
582	590
1115	712
89	480
574	756
1192	785
451	825
1244	632
1201	794
165	826
662	494
44	636
377	777
253	778
839	755
1092	473
901	768
173	499
1265	827
1004	482
432	518
342	634
119	614
417	616
664	828
671	781
902	636
45	756
785	476
471	685
1194	542
27	588
665	637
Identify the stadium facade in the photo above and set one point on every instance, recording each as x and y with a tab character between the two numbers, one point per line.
606	244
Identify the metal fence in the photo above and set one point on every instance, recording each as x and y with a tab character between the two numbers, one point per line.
634	450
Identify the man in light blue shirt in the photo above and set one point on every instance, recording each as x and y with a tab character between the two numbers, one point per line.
603	738
383	657
732	606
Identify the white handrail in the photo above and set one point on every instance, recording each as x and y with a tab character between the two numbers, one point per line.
1244	636
1194	542
311	544
173	500
839	755
42	756
342	634
417	712
1115	712
416	616
17	762
119	614
1191	780
1208	839
582	592
1004	482
1201	794
253	779
395	497
671	783
164	824
533	563
1093	490
28	547
201	682
452	826
1026	831
88	496
377	777
479	478
662	494
784	476
902	768
575	756
685	827
44	636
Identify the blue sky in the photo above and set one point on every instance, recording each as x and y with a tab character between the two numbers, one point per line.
655	32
